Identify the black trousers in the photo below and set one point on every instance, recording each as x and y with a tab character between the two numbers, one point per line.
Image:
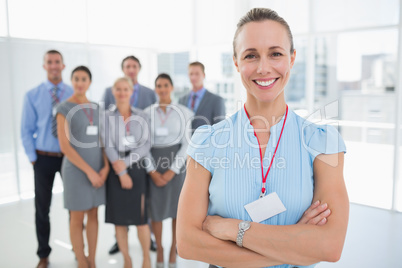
45	169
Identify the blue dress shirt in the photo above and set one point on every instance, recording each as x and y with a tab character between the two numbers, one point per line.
200	93
230	151
36	122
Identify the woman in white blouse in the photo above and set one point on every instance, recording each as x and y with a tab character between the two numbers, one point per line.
125	133
170	132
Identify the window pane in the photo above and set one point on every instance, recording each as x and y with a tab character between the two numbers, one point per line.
8	182
147	24
63	20
215	22
399	181
296	13
3	18
218	79
176	65
359	70
332	15
295	91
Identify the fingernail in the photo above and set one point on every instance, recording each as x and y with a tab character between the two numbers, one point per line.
317	202
327	212
324	220
324	205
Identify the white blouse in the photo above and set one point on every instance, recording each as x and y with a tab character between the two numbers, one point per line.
171	128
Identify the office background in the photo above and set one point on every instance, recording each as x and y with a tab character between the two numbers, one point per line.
348	62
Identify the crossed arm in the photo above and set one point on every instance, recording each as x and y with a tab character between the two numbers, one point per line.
210	239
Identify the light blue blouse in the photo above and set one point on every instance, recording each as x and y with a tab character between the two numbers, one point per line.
229	150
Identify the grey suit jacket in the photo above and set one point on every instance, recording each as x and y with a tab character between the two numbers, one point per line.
146	97
210	111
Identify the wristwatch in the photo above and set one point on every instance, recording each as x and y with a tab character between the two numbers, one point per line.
243	227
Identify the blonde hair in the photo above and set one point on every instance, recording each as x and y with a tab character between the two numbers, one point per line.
123	79
261	14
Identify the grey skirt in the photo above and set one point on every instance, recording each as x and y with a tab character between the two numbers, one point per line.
164	200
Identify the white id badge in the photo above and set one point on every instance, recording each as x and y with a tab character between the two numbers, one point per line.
162	131
54	111
92	130
128	140
265	208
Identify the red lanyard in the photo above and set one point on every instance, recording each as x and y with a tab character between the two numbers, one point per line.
89	116
128	125
163	120
264	178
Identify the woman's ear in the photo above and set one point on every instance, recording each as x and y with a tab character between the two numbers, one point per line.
235	63
292	58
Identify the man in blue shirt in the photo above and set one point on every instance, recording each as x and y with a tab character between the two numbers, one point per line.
39	138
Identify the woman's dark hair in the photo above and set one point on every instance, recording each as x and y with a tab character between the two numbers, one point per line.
165	76
82	68
134	58
262	14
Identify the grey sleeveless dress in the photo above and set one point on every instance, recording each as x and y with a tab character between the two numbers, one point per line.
79	194
164	200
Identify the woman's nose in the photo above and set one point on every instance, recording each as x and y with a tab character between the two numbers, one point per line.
263	66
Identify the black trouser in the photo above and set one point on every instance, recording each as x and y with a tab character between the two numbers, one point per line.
45	169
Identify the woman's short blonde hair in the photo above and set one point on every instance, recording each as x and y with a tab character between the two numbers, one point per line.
123	79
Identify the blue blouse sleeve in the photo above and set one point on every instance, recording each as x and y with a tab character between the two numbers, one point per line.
200	147
323	139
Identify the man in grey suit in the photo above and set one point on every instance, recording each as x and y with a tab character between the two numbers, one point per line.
142	96
208	108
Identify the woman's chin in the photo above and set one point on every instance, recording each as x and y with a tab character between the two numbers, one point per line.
122	101
268	98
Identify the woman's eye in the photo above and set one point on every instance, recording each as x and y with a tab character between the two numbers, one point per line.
276	54
251	56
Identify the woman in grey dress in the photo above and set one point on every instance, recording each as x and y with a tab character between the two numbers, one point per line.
85	166
170	132
125	132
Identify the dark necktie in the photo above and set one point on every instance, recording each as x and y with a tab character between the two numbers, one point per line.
55	100
193	102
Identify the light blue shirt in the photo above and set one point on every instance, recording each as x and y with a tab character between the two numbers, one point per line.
36	122
229	150
200	93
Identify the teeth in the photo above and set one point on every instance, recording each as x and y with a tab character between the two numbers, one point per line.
265	83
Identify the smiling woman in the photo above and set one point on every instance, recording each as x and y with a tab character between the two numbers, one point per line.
265	59
243	216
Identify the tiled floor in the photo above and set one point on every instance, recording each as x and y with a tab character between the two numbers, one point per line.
374	239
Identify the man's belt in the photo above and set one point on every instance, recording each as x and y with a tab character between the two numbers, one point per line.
53	154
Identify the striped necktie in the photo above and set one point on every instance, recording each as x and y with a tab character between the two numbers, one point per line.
55	100
193	102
